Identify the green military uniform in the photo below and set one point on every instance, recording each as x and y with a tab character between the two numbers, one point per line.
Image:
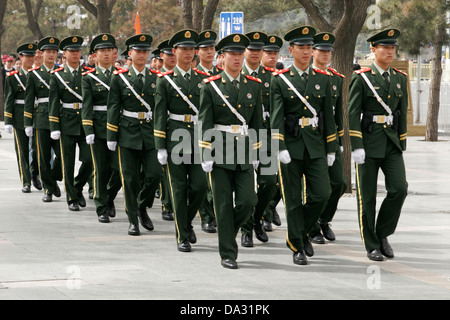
130	127
65	103
266	181
324	41
95	89
15	87
381	135
231	170
207	38
306	129
187	181
36	116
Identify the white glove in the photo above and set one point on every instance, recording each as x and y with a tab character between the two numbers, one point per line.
55	135
112	145
359	155
90	138
9	128
29	131
330	159
162	156
342	149
207	166
284	157
255	164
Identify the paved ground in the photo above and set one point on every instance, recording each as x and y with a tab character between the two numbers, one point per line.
47	252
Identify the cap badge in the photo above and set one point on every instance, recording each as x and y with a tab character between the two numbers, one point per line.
207	34
391	33
105	37
256	36
326	37
236	38
187	34
74	39
142	38
272	40
30	46
51	40
305	31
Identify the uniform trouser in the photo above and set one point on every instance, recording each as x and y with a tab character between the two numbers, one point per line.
268	213
188	186
266	189
230	217
22	147
74	184
338	186
206	210
106	176
164	191
300	217
49	174
138	189
374	227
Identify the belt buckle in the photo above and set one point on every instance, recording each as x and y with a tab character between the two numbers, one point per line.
141	115
235	128
381	119
187	118
76	106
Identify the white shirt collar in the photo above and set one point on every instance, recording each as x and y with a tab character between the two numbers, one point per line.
182	72
300	71
137	72
381	70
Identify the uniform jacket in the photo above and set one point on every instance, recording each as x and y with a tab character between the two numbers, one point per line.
14	91
337	81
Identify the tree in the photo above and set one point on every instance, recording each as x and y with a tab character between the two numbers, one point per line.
345	20
197	16
32	16
102	11
2	29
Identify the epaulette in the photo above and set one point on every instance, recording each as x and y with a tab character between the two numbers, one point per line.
270	69
162	74
57	70
12	73
253	78
220	68
217	76
400	71
362	70
123	70
321	71
35	68
155	71
87	68
280	71
89	71
201	72
336	73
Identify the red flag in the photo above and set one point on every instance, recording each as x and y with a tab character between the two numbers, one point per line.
137	24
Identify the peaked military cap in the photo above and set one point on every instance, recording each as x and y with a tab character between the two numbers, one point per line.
184	38
273	43
386	38
235	42
139	42
207	38
156	53
27	49
103	41
125	53
71	43
257	40
324	41
164	47
48	43
302	35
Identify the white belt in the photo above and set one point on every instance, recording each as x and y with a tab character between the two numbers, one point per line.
232	129
305	122
74	106
19	101
184	117
100	108
42	100
383	119
137	115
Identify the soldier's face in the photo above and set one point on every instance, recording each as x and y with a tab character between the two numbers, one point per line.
139	57
184	55
269	59
27	61
252	56
301	54
104	56
50	56
384	54
169	60
322	57
206	54
233	61
72	56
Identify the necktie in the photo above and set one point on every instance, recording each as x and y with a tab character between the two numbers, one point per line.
74	72
235	84
107	73
305	77
254	74
187	76
141	81
386	78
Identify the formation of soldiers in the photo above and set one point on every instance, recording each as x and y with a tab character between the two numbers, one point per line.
201	134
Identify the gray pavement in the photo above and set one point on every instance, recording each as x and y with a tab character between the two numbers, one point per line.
50	253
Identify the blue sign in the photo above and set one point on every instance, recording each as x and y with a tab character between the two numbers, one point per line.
231	22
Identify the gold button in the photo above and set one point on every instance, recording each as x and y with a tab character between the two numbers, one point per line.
142	94
305	108
224	104
318	96
389	96
76	88
239	105
384	126
140	122
190	96
236	138
307	97
78	112
189	125
292	97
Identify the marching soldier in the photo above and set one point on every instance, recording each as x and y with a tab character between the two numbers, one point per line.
301	112
14	118
322	49
130	130
266	183
37	117
169	59
95	88
65	102
377	112
178	93
230	106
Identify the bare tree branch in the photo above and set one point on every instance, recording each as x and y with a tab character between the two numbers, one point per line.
313	11
208	14
32	22
89	7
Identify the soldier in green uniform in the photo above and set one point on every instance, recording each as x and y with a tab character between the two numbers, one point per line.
230	117
38	85
302	121
130	130
178	94
377	112
266	183
169	59
14	115
65	102
322	50
95	88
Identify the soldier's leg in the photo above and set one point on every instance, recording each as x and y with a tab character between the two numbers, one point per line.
206	210
114	182
34	162
21	144
44	153
68	145
244	196
85	170
56	161
130	164
151	170
271	207
197	189
164	192
100	165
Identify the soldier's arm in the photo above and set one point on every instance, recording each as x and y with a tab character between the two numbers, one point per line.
54	104
205	120
277	112
9	101
339	115
402	124
160	116
329	121
87	112
113	109
30	95
256	123
355	103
